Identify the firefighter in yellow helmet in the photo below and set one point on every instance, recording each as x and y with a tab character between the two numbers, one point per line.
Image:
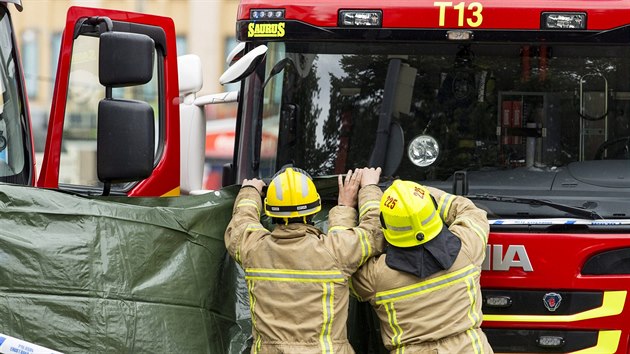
425	287
297	276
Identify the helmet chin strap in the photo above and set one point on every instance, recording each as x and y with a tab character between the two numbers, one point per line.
286	220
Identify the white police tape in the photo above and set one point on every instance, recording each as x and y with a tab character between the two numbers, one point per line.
607	222
11	345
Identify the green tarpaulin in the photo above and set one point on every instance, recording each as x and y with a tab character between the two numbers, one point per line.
114	275
129	275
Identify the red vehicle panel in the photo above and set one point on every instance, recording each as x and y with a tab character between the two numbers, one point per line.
492	14
518	114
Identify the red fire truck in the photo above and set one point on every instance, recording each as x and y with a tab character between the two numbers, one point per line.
522	106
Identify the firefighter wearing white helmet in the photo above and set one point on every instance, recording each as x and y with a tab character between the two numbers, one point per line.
425	287
297	276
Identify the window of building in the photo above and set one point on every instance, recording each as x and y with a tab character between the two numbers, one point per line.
182	45
30	60
55	47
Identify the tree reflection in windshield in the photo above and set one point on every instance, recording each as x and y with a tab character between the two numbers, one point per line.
489	107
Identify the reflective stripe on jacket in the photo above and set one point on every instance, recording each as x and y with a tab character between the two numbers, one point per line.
297	276
442	312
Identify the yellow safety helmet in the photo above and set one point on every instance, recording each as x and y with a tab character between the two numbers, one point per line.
292	194
408	215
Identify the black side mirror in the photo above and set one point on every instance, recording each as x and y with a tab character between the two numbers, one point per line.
125	141
125	59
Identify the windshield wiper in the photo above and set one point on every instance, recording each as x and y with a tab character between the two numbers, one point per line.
532	201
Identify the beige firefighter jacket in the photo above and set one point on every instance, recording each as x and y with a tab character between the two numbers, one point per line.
297	277
440	313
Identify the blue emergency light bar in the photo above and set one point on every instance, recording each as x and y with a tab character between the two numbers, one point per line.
266	14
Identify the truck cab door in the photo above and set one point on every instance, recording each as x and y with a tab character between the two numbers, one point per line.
76	151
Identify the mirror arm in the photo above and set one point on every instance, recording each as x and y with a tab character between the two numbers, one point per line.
377	158
109	25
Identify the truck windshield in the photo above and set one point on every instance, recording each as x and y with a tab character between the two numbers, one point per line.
548	121
15	144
